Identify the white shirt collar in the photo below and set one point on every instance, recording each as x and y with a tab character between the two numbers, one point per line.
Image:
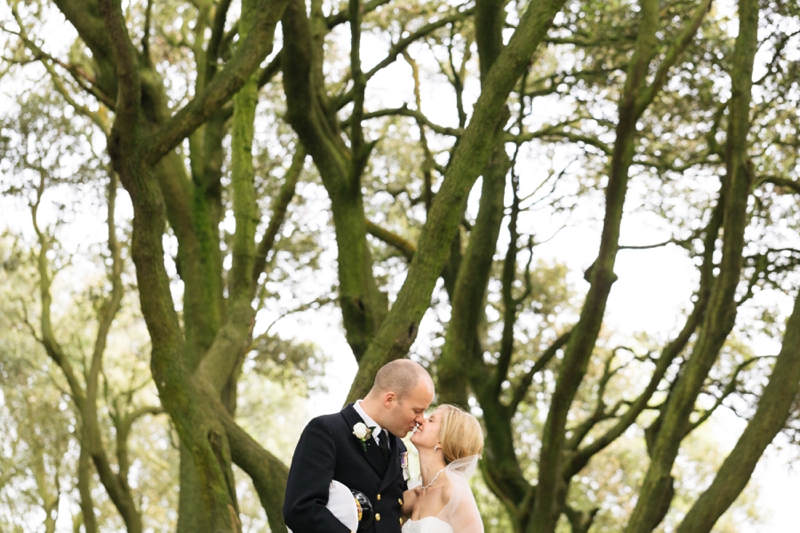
376	433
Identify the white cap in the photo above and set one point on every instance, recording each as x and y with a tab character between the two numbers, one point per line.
342	505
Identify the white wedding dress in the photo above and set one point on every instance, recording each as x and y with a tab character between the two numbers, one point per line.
460	514
429	524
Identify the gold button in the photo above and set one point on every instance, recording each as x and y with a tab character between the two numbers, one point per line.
400	501
378	517
379	497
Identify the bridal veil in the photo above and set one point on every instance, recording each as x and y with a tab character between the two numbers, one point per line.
461	511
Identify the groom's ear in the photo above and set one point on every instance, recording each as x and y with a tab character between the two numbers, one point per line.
389	398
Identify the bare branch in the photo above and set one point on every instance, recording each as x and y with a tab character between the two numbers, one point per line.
282	201
129	86
252	51
779	182
146	33
413	113
407	248
79	76
521	390
401	45
729	389
314	304
343	16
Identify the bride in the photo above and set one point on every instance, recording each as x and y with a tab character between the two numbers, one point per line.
449	444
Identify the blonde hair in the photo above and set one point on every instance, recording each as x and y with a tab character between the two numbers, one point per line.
460	433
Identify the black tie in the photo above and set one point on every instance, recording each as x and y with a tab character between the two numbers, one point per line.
384	444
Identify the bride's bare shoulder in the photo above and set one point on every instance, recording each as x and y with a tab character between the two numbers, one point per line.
446	492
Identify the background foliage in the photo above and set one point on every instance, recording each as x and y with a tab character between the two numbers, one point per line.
195	190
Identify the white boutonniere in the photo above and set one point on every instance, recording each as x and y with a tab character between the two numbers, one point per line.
362	433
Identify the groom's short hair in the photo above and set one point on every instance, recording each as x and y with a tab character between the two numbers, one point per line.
400	376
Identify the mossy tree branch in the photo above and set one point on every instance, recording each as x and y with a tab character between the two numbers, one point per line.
637	95
469	159
719	319
774	408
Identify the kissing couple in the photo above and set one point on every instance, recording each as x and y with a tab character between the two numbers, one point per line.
350	469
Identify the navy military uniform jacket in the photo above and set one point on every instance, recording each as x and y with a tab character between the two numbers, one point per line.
328	450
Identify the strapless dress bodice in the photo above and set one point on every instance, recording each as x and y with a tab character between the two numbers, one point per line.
429	524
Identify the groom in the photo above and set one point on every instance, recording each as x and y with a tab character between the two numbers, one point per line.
335	447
